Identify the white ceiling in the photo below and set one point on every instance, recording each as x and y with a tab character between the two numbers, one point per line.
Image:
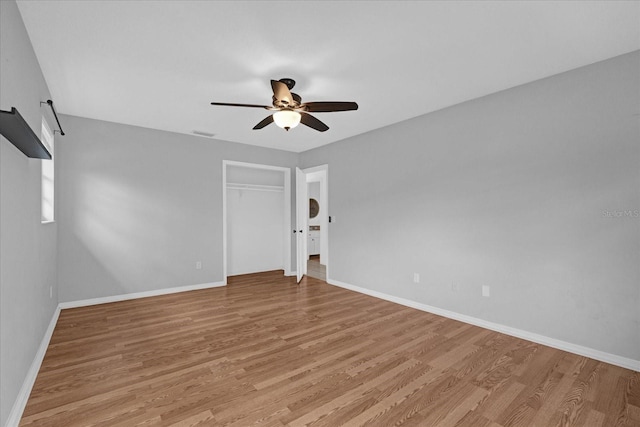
159	64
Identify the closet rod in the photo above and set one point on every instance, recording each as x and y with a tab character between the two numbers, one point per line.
257	187
50	102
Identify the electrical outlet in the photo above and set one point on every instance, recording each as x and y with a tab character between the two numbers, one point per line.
486	291
198	265
455	287
416	277
50	291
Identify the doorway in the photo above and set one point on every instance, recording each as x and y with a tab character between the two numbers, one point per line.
318	222
256	218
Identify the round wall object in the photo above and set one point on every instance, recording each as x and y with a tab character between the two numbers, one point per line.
314	208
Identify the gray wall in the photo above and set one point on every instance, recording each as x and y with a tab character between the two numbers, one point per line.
511	190
520	190
27	247
139	207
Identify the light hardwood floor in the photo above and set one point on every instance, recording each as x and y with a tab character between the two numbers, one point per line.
265	351
315	269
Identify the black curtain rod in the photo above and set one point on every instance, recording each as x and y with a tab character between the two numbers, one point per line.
50	102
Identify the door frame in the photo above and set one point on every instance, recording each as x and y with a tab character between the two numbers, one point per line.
323	171
286	214
302	223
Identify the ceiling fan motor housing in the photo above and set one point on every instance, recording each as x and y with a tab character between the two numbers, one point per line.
283	103
289	82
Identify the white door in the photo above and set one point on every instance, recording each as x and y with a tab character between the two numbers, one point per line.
302	205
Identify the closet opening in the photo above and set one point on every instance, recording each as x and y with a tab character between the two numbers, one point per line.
256	218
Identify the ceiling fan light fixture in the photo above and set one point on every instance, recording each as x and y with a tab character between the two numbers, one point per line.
286	119
289	110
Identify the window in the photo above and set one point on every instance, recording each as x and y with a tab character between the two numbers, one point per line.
47	174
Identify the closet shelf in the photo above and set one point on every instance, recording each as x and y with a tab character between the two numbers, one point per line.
19	133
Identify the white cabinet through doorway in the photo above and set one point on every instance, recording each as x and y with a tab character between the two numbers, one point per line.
313	240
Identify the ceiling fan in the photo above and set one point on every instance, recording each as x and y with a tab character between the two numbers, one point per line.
289	110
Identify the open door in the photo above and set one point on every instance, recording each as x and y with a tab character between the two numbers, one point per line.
302	205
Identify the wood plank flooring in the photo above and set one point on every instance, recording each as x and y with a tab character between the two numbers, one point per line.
315	269
264	351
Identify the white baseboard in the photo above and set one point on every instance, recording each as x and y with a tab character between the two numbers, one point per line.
27	385
135	295
602	356
23	395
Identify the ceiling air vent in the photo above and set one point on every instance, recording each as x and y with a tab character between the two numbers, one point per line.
201	133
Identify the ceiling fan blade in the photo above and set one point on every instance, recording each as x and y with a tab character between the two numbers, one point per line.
281	92
268	120
312	122
328	106
229	104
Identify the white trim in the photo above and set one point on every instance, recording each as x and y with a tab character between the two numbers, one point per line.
302	223
254	165
286	217
313	169
136	295
602	356
291	273
224	221
23	395
47	173
323	172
